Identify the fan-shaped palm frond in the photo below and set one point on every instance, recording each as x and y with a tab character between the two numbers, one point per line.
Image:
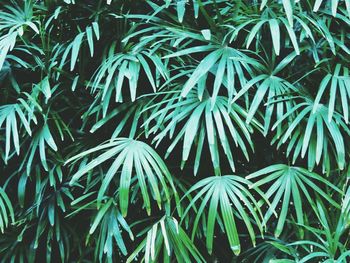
75	45
327	244
131	156
275	23
14	19
168	238
310	28
202	119
230	193
291	183
41	137
96	83
118	68
310	131
109	221
270	250
277	91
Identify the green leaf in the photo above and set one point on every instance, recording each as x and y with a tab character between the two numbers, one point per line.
6	210
230	193
288	8
275	35
134	158
192	116
292	183
201	70
167	236
75	49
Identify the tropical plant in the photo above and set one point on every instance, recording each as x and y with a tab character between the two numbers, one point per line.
174	131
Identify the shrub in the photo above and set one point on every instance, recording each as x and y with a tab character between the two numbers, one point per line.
174	131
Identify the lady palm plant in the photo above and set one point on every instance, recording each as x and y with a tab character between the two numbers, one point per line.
174	131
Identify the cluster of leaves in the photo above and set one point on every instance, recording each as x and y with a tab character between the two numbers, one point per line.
174	131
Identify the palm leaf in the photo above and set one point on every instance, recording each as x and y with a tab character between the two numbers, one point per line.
335	83
225	63
9	115
118	68
326	243
288	185
277	91
168	238
110	223
6	211
14	19
202	119
133	158
310	131
234	199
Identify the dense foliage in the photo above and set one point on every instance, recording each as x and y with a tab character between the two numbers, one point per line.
174	131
